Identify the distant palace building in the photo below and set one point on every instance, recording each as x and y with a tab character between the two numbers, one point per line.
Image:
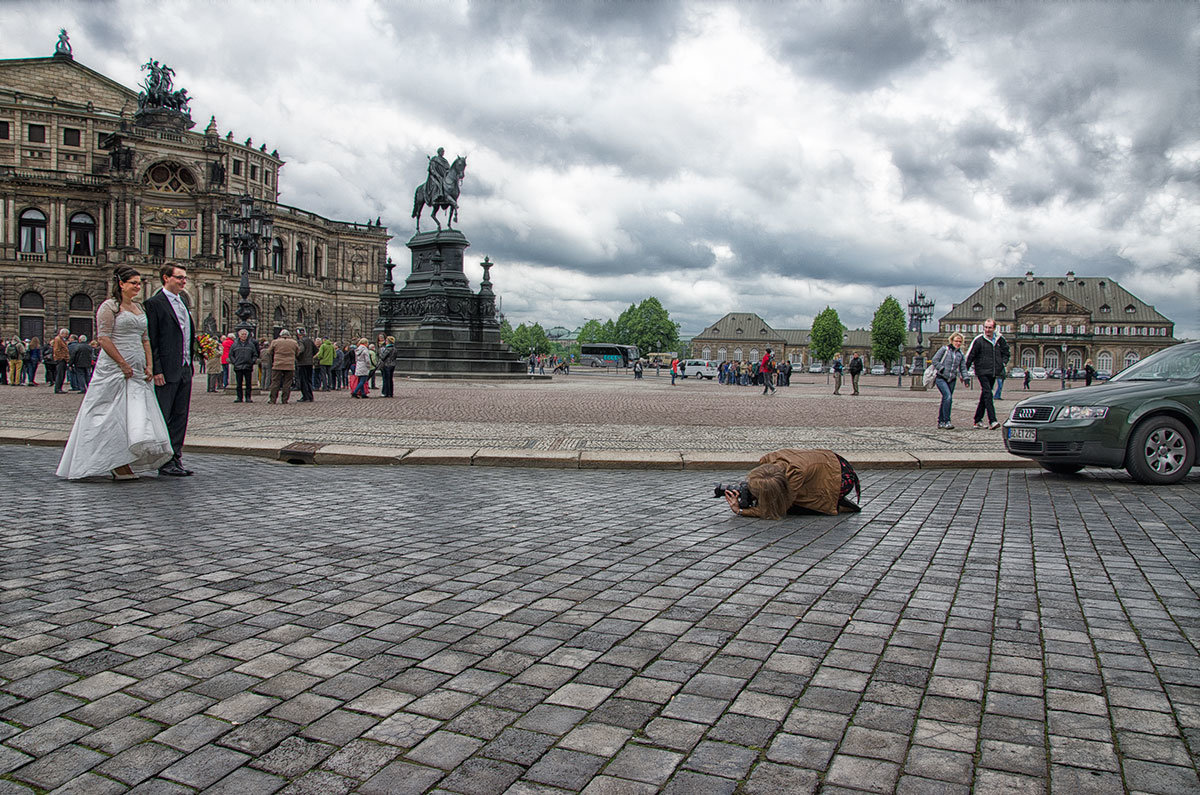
1047	320
90	178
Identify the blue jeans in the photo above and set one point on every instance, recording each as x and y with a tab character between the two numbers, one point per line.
947	390
999	387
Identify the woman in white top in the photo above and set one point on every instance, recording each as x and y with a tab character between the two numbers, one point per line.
362	368
119	428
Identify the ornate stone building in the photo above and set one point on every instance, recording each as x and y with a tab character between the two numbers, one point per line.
92	176
1049	320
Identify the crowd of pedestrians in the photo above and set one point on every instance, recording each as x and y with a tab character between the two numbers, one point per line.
302	364
762	373
67	360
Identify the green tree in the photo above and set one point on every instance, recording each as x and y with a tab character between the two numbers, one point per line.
520	342
648	326
590	332
825	340
538	341
506	332
888	331
608	333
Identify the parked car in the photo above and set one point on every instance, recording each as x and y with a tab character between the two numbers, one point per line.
816	367
878	369
1017	372
699	367
1055	373
1145	419
1038	373
1103	375
899	369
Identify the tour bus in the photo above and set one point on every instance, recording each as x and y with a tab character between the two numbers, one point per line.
598	354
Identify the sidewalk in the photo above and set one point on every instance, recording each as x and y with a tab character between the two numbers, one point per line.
585	421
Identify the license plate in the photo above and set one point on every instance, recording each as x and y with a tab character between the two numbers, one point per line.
1022	434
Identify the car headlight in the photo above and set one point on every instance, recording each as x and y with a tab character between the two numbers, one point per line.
1083	413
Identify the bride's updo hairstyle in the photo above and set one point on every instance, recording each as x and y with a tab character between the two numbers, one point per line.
121	273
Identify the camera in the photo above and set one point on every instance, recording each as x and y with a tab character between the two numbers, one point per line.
742	489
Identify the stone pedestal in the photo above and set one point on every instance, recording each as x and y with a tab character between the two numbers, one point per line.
442	328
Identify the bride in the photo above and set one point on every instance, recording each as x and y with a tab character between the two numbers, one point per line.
119	428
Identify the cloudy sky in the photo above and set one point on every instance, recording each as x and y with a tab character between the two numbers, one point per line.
772	157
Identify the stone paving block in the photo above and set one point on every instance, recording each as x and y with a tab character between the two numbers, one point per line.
139	763
401	778
565	769
768	778
623	460
59	766
246	781
721	759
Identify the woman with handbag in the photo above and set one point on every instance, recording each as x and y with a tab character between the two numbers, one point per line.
948	366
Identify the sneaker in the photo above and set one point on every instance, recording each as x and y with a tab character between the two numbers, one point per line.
978	426
941	425
949	427
993	426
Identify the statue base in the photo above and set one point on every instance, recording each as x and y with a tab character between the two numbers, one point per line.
442	328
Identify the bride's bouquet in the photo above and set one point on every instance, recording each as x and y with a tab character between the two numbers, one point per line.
207	345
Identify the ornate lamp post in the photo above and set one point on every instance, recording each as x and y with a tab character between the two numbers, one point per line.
245	229
1062	367
919	310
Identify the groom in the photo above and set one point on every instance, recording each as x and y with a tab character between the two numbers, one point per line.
170	323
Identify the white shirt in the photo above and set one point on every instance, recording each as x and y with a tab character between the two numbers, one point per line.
185	322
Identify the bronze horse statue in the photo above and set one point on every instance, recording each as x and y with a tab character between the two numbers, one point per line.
447	197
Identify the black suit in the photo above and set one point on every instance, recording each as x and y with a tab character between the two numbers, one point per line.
166	349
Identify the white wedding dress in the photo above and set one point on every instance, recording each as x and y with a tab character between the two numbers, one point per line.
119	422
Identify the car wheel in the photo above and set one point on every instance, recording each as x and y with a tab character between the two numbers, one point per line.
1061	469
1161	450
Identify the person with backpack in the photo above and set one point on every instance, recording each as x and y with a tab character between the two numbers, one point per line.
856	368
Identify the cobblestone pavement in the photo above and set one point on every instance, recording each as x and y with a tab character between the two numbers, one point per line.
413	629
580	412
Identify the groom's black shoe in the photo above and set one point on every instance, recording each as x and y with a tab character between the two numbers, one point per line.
174	470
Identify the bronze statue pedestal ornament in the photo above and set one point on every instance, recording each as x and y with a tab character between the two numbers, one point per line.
442	328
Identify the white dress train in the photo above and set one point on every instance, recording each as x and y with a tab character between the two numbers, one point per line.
119	422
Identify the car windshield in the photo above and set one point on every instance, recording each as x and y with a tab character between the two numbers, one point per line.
1178	363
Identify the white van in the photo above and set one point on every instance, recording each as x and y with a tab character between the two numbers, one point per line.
699	367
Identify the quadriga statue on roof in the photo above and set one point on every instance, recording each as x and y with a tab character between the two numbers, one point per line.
440	189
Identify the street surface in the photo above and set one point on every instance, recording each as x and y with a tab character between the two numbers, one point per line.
266	628
587	410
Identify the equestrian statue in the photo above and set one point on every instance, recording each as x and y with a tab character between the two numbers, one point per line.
440	189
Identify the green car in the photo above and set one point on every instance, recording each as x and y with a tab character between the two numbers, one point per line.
1146	419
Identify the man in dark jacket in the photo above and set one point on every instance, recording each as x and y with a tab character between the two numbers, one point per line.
855	369
304	365
81	363
242	356
989	356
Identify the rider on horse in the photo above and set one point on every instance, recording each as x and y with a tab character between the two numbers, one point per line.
435	185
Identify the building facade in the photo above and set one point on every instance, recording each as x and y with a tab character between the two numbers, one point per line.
91	178
1063	321
744	336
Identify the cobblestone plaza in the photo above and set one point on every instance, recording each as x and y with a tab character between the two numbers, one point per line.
479	630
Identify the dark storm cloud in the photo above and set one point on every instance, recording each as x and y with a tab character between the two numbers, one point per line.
856	46
560	34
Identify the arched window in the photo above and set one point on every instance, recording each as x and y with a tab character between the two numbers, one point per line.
32	300
280	320
169	176
300	260
32	224
1104	362
1131	358
317	260
1050	359
706	353
31	322
737	354
301	319
81	302
82	228
754	354
277	256
317	323
1075	359
722	354
1028	358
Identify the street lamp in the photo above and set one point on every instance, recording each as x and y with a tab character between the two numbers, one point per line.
245	229
919	310
900	375
1062	366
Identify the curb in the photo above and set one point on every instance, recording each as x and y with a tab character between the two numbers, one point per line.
335	454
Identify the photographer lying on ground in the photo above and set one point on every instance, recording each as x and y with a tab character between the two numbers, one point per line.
794	480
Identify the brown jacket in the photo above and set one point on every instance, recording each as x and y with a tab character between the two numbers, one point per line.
61	352
283	353
814	479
